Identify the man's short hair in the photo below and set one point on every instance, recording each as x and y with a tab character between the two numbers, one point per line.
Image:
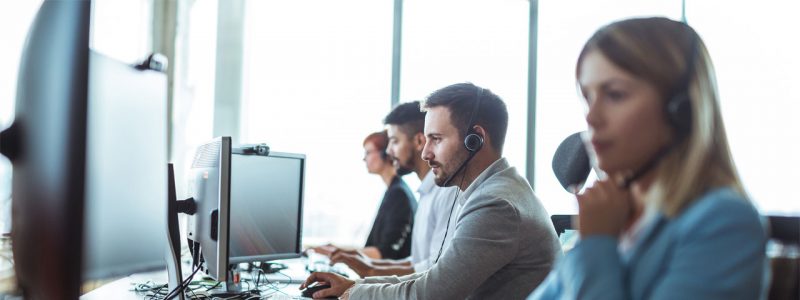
460	99
408	117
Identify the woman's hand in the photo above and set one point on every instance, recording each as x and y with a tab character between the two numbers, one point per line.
604	209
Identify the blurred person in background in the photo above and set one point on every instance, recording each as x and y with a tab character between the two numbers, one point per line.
671	220
390	236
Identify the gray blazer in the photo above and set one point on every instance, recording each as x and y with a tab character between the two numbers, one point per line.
503	246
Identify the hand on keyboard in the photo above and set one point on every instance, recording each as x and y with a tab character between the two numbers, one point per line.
321	263
325	267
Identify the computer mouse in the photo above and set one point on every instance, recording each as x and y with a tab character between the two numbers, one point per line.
309	291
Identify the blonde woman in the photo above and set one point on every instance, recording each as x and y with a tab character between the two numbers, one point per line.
671	221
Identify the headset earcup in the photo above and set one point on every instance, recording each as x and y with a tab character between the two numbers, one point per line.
473	142
679	112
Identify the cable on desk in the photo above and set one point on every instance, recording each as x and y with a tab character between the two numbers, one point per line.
259	290
179	289
208	288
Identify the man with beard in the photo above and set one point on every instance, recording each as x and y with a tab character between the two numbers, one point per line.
404	125
503	244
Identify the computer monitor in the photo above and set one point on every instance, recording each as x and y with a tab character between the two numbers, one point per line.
126	187
46	145
208	227
77	160
266	206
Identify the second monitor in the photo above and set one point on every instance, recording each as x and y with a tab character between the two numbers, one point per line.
266	206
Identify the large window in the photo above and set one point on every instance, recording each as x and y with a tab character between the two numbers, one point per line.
755	55
754	47
564	26
122	29
317	77
480	41
317	81
194	84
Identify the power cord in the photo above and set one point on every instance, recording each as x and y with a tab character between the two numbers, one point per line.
179	289
255	289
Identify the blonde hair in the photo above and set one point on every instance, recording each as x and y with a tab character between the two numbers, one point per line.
659	51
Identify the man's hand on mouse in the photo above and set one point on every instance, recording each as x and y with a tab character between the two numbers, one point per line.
338	284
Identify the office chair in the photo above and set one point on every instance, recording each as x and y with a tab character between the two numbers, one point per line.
562	223
571	167
785	283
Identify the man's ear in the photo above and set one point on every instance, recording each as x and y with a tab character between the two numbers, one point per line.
419	141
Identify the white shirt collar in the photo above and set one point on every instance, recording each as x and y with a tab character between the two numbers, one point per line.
427	184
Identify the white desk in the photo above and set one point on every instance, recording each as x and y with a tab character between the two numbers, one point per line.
285	287
122	289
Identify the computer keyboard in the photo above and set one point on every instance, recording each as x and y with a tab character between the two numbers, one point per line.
321	263
325	267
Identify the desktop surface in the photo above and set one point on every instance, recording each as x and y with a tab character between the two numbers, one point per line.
123	289
282	285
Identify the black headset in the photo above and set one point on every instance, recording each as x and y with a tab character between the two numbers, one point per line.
473	141
678	109
384	155
679	106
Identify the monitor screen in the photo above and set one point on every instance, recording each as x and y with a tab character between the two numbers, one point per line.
126	184
266	206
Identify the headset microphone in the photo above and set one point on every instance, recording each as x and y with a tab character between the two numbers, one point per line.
644	169
460	168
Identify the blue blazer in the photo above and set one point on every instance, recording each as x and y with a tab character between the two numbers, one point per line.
715	249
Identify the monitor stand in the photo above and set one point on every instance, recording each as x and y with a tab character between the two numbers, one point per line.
230	288
173	254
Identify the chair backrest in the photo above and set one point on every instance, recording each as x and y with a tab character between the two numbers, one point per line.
785	269
785	229
561	223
